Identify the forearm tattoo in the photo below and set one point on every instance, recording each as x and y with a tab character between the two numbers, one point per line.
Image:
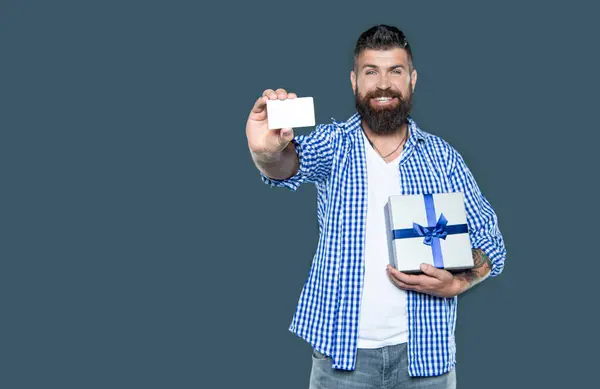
482	266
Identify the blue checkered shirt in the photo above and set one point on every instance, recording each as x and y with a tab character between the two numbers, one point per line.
332	157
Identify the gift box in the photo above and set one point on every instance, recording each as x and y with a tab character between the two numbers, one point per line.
431	229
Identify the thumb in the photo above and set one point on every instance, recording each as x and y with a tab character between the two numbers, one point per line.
431	271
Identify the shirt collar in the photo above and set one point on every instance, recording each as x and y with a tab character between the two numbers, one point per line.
354	123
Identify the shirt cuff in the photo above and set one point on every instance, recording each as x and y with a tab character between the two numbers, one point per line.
296	180
495	254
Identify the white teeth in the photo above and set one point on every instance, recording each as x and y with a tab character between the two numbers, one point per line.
383	99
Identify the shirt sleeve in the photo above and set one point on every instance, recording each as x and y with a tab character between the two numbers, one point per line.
484	232
315	155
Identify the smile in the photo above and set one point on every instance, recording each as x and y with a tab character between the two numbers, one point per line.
383	100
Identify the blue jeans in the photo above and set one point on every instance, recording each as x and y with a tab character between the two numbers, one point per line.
381	368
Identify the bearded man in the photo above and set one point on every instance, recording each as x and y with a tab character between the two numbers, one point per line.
369	325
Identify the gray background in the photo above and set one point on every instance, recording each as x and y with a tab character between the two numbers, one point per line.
141	250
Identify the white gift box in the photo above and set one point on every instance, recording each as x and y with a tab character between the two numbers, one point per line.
429	229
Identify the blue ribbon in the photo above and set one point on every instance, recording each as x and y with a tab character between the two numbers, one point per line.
433	232
437	231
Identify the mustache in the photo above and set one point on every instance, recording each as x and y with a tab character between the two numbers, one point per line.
377	94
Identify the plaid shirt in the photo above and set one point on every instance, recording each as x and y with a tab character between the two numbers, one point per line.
327	316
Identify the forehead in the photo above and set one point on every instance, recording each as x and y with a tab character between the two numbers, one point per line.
383	58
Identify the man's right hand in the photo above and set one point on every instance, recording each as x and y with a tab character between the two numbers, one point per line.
263	142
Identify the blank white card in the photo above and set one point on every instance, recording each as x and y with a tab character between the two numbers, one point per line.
291	113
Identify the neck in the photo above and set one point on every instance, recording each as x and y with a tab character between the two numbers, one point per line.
389	146
390	139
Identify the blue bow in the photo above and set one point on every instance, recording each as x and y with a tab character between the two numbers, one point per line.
438	231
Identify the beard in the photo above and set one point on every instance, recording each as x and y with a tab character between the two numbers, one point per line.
384	120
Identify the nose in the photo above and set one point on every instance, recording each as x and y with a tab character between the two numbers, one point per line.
383	83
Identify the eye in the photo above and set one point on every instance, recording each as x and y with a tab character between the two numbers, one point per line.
370	72
397	71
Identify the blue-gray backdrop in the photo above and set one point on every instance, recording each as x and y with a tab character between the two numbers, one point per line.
140	248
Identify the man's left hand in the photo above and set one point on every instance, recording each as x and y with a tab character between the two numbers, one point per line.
434	281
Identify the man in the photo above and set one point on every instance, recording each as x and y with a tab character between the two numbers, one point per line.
370	325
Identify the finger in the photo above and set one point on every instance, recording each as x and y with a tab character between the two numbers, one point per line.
270	93
440	274
260	104
431	271
292	96
419	282
281	94
410	279
402	285
286	134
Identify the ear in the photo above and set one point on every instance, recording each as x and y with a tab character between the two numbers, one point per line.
413	79
353	81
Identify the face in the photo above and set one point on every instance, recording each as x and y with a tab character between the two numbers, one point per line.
383	86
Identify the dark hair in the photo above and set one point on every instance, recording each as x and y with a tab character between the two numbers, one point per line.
382	37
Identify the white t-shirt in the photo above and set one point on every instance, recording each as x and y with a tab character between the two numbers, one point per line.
382	318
